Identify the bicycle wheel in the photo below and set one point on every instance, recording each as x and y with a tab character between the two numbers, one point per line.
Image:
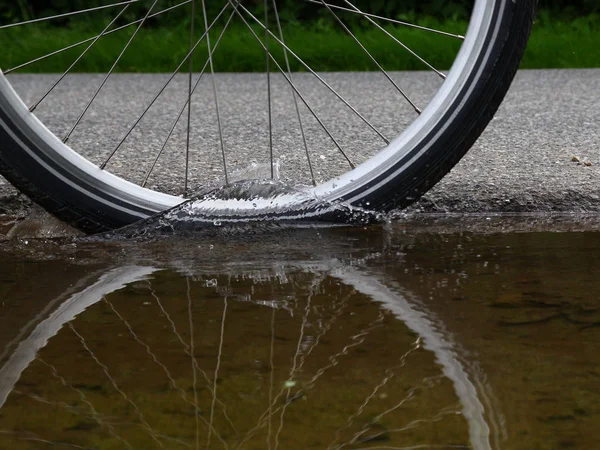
381	174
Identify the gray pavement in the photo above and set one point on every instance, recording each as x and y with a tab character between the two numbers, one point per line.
523	162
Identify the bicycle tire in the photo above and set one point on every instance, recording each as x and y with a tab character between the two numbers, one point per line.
81	194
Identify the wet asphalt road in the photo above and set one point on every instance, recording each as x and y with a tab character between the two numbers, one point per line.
524	161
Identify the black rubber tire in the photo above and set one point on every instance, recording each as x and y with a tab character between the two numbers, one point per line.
49	180
447	148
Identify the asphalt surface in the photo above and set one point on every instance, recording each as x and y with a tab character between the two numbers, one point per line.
541	153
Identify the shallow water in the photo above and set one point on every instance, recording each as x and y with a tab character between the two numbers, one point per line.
449	333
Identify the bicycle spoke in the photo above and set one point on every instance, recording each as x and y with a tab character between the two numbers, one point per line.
347	30
388	375
289	397
441	74
66	138
301	61
357	339
149	172
334	140
271	375
269	85
192	351
292	370
188	351
95	415
85	41
361	337
175	72
189	103
58	16
214	86
153	356
138	412
295	368
30	436
397	22
216	375
333	361
36	104
358	439
289	71
74	410
281	418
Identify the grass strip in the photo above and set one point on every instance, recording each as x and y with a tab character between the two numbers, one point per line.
553	44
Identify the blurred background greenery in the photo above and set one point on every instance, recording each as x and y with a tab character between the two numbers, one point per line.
566	34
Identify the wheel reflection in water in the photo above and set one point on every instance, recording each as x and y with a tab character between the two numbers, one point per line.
319	355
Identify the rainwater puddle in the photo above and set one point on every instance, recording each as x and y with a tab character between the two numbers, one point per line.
437	333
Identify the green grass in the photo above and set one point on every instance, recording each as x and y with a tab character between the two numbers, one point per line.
558	44
553	44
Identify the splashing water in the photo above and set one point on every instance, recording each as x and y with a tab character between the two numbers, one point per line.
261	203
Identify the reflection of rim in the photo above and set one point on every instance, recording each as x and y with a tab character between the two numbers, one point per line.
415	319
436	342
26	351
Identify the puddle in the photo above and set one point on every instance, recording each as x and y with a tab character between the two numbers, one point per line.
409	335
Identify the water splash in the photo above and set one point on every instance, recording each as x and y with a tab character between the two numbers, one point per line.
252	203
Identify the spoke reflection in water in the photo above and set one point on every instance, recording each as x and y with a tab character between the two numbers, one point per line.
318	355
